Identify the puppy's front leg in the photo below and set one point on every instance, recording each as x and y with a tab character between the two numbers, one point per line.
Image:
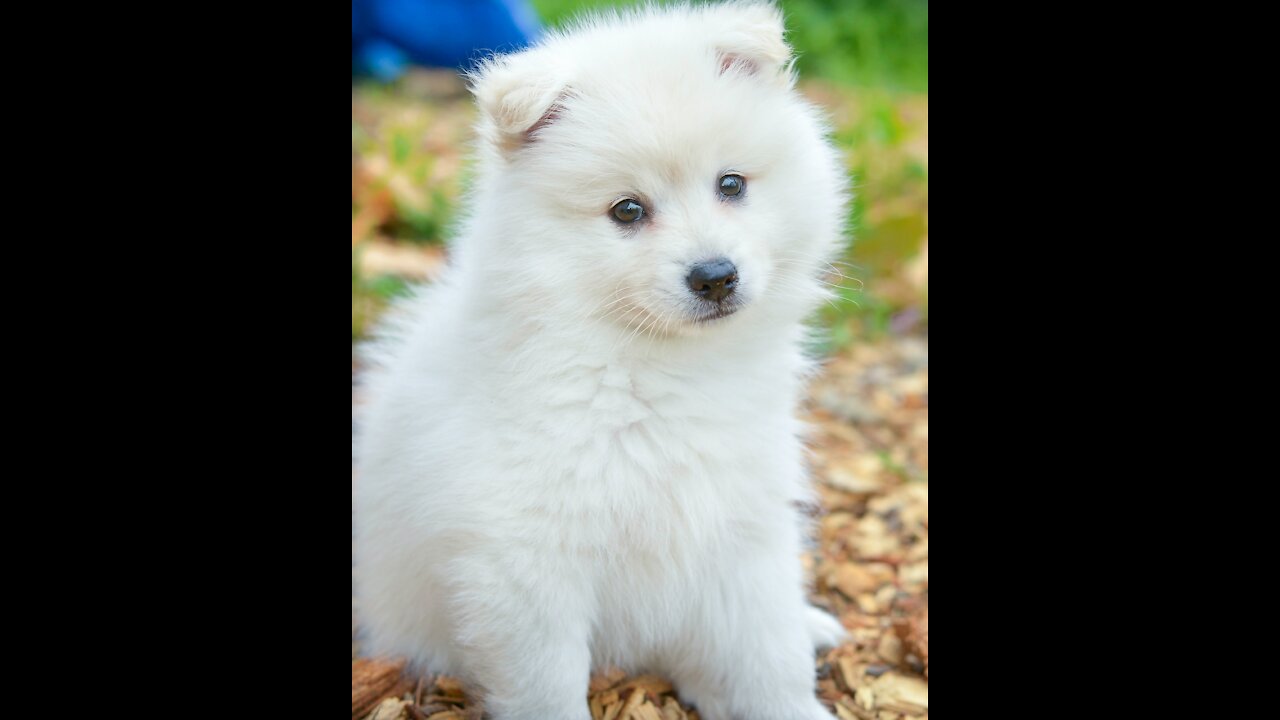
750	654
524	639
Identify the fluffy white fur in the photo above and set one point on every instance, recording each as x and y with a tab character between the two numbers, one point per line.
560	467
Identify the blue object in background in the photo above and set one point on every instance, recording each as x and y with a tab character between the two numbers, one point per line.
389	35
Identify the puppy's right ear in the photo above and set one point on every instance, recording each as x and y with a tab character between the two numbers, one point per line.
517	95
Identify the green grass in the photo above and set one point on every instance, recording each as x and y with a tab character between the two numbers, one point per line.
880	43
885	138
411	197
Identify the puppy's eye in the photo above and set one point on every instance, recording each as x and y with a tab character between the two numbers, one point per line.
627	211
732	184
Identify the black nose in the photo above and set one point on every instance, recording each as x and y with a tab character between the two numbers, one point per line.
714	279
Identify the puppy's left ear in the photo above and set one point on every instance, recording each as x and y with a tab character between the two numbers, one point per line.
517	95
750	40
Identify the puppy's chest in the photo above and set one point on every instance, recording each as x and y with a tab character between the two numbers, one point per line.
660	426
647	463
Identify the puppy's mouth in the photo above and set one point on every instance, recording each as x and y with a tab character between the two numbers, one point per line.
718	311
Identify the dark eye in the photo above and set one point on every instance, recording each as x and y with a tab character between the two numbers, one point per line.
732	185
627	211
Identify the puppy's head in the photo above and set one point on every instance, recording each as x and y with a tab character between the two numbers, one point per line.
659	171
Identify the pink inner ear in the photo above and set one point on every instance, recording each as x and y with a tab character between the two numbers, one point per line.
742	64
547	118
550	116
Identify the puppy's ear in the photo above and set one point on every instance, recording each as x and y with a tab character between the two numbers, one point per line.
517	95
750	40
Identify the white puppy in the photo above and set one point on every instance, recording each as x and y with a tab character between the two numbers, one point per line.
581	448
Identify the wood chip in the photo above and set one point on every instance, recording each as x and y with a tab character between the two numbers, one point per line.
389	709
450	687
914	632
849	674
865	697
829	691
372	681
633	701
671	710
853	579
604	681
846	709
646	711
902	693
890	648
651	684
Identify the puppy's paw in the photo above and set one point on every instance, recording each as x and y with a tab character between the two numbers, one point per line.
824	630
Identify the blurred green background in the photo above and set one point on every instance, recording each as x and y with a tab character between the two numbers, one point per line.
865	61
